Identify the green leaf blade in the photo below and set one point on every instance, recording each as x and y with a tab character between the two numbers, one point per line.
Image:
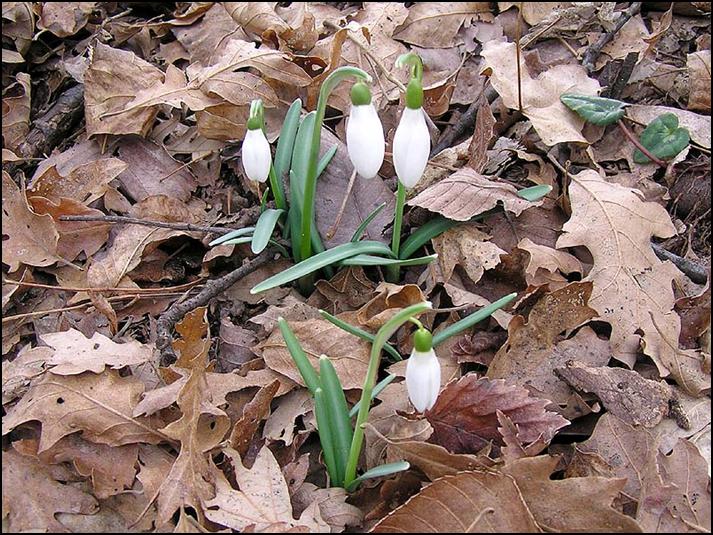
597	110
264	228
663	138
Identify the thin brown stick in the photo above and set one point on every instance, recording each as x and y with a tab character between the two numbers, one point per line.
147	291
593	52
333	229
638	144
518	35
146	222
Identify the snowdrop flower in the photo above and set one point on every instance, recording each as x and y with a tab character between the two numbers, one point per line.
412	142
365	135
256	155
423	372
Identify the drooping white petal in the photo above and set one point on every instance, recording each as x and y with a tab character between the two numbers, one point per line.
256	155
365	140
412	145
423	379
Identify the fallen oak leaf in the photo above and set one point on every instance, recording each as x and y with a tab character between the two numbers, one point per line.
253	412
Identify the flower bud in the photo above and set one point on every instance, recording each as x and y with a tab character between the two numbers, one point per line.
423	373
365	135
256	155
412	145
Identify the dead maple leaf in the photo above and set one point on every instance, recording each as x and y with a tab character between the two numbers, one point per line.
435	24
74	353
31	496
466	193
262	501
468	247
624	393
99	405
699	69
31	238
552	120
66	18
464	418
534	349
84	183
547	265
261	19
632	287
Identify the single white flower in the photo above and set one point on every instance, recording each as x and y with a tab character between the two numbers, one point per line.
412	145
365	135
256	155
423	373
365	140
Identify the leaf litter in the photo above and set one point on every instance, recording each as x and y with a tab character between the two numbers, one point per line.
593	386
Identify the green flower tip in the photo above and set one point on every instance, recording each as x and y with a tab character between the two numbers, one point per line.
256	118
361	94
414	94
422	340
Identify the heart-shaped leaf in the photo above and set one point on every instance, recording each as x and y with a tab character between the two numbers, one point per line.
663	138
597	110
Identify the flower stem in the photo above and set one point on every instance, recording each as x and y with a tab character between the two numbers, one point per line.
392	272
638	144
382	336
277	190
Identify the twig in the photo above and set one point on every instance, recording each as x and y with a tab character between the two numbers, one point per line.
638	144
145	222
593	52
132	291
518	35
692	270
212	288
333	229
622	77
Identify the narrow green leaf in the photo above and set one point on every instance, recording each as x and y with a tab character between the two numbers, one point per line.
324	160
238	241
379	471
263	200
424	234
361	228
300	156
356	331
264	228
663	138
326	435
318	261
308	373
471	319
338	413
231	235
534	193
377	390
597	110
286	143
370	260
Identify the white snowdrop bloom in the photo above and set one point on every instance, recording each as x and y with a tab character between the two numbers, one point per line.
256	155
423	373
412	145
365	135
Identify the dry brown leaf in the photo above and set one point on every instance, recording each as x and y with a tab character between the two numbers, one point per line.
253	413
235	343
689	507
468	502
464	418
31	238
633	37
632	287
31	496
263	500
547	259
695	312
260	19
74	353
110	83
557	505
435	24
699	74
99	405
75	237
19	372
331	503
111	469
468	247
534	349
552	120
349	354
349	289
389	299
16	111
21	27
280	425
624	393
466	193
65	18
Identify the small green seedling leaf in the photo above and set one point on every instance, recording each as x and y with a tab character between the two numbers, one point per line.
361	228
597	110
326	435
318	261
309	375
371	260
379	471
230	235
534	193
377	390
356	331
663	138
338	414
324	161
286	143
264	228
472	319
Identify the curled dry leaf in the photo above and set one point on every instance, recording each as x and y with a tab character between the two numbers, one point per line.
16	111
263	501
466	193
389	299
74	353
632	287
435	24
464	418
64	18
31	238
546	259
468	247
253	413
31	496
99	405
19	372
552	120
624	393
699	74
